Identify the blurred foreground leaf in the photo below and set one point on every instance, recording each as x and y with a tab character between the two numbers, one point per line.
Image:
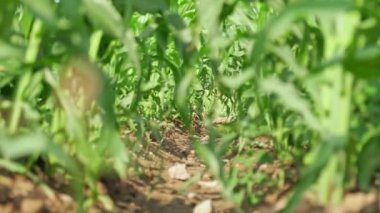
23	145
365	63
368	163
149	6
104	15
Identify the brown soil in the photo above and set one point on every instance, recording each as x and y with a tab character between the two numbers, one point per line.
155	191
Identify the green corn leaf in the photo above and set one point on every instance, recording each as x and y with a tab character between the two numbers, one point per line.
321	157
365	63
103	14
8	51
208	155
7	11
23	145
179	28
291	99
181	96
235	82
368	163
209	20
279	24
149	6
43	9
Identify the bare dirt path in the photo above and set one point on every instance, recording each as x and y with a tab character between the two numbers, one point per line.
155	190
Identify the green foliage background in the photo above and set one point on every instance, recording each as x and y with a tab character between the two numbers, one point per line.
74	72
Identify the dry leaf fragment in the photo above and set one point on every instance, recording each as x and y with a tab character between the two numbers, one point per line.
203	207
209	184
191	195
179	172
